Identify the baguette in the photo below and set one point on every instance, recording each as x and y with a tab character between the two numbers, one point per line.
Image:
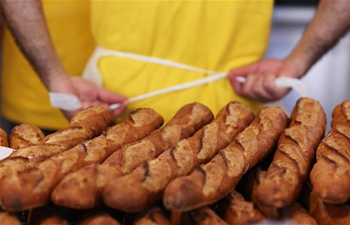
210	182
97	217
4	138
329	214
234	209
149	180
25	135
84	125
152	216
200	216
30	189
341	114
294	155
82	189
9	218
330	175
60	140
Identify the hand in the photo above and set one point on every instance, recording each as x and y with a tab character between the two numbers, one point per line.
89	94
259	84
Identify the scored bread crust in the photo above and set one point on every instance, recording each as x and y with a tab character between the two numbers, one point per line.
148	181
32	188
330	175
26	157
294	155
82	189
212	181
4	138
25	135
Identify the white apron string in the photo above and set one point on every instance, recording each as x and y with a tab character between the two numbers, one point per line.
93	74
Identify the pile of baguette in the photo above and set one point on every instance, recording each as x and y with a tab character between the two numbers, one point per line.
235	167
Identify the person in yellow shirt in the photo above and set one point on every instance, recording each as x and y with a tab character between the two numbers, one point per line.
209	37
24	97
152	45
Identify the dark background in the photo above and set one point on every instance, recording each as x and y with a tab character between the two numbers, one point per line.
296	2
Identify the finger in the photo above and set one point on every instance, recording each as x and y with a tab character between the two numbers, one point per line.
120	110
109	97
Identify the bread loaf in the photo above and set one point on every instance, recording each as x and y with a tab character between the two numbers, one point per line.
84	125
9	218
234	209
97	217
294	213
330	175
146	184
294	155
4	138
200	216
82	189
210	182
25	135
325	213
152	216
341	114
32	188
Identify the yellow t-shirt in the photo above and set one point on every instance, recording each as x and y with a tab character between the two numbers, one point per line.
211	35
24	97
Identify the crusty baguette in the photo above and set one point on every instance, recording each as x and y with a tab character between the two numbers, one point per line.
234	209
30	189
330	175
97	217
9	218
4	138
200	216
210	182
27	157
341	114
82	189
329	214
294	155
148	181
84	125
152	216
24	135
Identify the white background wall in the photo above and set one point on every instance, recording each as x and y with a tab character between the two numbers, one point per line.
329	80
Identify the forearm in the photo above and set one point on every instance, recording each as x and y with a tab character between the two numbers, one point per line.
26	22
330	23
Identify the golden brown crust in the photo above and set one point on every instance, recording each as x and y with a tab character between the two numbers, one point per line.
341	114
148	181
85	125
294	155
33	188
152	216
325	214
234	209
24	135
185	122
210	182
4	138
9	218
330	174
97	217
200	216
